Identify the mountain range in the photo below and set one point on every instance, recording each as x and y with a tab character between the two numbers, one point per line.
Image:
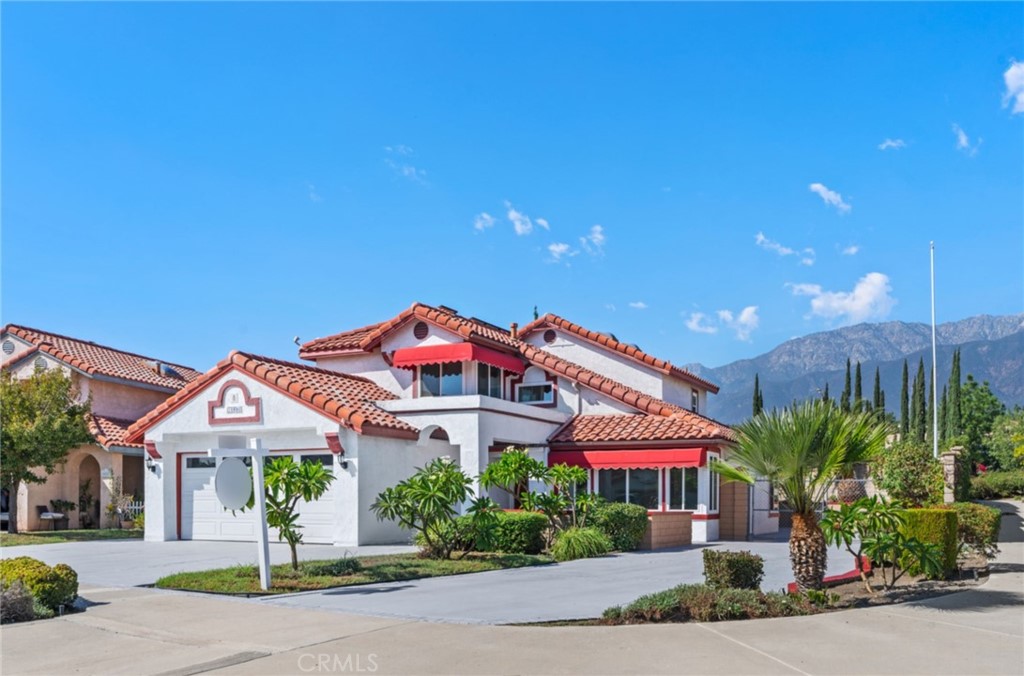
992	349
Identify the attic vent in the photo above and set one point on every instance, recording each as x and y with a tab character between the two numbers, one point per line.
40	363
420	330
549	336
8	347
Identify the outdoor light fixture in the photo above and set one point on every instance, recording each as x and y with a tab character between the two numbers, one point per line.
344	464
150	465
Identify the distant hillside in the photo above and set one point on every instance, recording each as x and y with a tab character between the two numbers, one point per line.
992	349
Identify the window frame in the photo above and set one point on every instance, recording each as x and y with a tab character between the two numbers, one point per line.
491	379
440	366
543	402
629	470
695	400
686	471
714	486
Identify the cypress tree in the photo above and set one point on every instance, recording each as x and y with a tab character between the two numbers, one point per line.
758	404
876	398
954	416
929	417
824	395
858	392
921	402
904	405
943	414
844	398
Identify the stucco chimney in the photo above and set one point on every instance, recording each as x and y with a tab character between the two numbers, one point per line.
514	330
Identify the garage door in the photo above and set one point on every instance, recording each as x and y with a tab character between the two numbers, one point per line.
203	517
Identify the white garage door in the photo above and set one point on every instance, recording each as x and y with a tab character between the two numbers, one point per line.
203	517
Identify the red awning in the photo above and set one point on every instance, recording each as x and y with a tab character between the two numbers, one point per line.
634	459
411	357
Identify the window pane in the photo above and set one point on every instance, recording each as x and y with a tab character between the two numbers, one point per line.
643	487
327	460
675	488
430	380
713	493
482	381
197	463
495	390
451	379
612	484
690	494
535	394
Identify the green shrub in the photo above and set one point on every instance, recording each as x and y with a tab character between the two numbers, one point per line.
701	603
977	527
909	473
580	543
456	535
733	570
624	524
998	484
16	603
514	533
335	568
936	527
51	587
140	521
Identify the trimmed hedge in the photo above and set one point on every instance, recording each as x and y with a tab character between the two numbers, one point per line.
700	603
580	543
515	533
937	527
51	587
977	526
624	524
998	484
732	570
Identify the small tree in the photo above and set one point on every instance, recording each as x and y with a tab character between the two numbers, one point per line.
428	502
908	472
286	483
42	419
512	472
851	524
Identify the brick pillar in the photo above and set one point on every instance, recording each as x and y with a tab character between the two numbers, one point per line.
950	473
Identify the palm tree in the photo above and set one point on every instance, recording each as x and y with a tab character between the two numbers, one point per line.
801	450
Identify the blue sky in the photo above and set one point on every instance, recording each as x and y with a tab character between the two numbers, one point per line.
704	180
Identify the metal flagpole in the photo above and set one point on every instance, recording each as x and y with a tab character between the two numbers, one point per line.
935	369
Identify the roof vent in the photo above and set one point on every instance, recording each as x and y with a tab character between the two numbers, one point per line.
549	336
420	330
40	363
167	370
449	310
8	347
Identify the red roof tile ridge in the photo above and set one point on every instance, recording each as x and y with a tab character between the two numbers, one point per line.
605	340
41	336
235	355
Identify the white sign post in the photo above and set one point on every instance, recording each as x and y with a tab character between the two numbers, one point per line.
234	494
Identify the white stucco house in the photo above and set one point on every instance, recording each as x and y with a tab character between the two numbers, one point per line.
123	386
376	402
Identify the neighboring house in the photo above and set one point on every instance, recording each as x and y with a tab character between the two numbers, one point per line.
384	399
123	386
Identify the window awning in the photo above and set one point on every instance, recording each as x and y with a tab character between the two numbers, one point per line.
411	357
632	459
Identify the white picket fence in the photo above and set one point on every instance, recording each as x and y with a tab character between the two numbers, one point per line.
135	508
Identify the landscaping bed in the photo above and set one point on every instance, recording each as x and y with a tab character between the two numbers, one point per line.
314	575
49	537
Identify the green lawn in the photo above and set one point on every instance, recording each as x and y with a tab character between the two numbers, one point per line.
47	537
391	568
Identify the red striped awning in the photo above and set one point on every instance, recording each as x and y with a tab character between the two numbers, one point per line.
411	357
632	459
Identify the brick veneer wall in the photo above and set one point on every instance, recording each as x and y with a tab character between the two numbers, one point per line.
672	529
733	503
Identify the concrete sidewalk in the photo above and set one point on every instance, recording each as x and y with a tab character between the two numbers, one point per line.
140	631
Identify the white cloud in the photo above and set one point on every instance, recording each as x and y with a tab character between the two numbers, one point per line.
743	324
399	150
963	141
638	305
314	196
896	143
851	250
593	243
483	220
698	323
520	221
403	168
871	298
1014	78
830	197
807	255
558	250
543	222
609	306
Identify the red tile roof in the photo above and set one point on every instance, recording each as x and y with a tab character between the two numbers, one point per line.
609	342
345	398
685	426
111	431
369	337
95	359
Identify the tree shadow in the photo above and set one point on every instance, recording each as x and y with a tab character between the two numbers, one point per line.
362	590
974	600
1011	528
